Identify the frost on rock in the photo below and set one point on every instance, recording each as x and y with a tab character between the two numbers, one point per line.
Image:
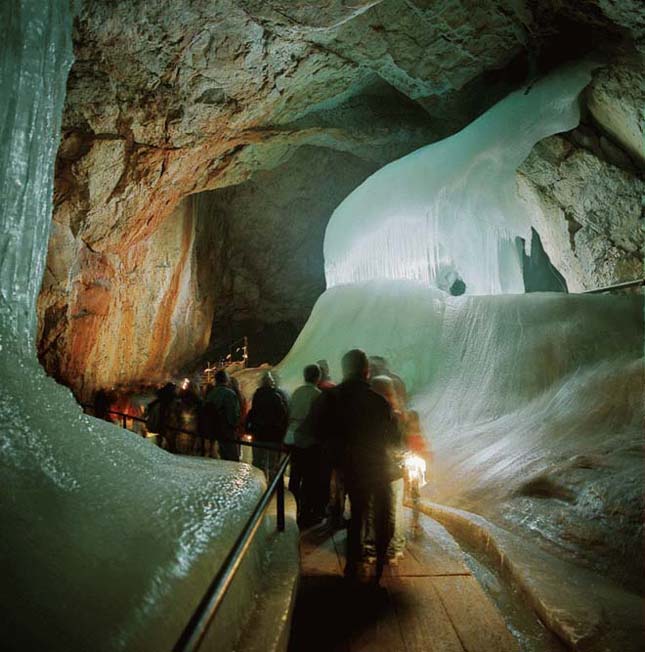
451	209
108	543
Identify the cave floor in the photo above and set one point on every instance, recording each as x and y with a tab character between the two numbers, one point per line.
429	601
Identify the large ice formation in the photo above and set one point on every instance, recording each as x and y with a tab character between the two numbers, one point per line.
107	541
531	402
451	209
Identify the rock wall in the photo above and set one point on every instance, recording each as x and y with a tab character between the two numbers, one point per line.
269	247
111	318
588	212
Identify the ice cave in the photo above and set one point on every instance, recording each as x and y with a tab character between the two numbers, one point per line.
205	205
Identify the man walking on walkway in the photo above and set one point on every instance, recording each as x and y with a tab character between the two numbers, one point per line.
224	406
362	430
267	422
304	479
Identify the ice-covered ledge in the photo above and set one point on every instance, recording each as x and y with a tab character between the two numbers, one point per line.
586	611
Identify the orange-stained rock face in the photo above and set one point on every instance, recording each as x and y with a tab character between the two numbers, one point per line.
129	317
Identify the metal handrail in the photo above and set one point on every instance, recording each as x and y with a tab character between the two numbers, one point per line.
195	631
617	286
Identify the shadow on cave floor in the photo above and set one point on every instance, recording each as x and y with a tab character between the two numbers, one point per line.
429	600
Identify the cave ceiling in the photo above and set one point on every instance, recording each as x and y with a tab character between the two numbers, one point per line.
180	97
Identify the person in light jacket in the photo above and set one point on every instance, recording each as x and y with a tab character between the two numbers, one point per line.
304	480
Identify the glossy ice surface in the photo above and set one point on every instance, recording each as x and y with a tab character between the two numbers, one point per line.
451	208
531	403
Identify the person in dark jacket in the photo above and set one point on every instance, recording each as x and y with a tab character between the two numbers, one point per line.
161	417
223	408
267	422
361	433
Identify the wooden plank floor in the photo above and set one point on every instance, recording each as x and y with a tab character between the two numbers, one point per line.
428	602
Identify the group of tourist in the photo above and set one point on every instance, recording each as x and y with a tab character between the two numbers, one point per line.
349	441
347	444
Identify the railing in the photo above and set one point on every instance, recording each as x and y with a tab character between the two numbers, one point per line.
617	286
195	631
242	442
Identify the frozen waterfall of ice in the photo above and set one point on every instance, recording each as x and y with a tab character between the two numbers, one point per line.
451	208
108	542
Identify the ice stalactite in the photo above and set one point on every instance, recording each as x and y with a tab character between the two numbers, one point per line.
37	55
451	209
108	542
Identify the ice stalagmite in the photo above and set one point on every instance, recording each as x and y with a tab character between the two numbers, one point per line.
107	542
451	208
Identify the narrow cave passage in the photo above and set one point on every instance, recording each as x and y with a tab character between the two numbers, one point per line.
321	326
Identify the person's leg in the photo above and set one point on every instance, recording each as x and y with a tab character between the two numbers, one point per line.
358	500
295	473
228	450
295	480
369	537
170	436
274	458
397	543
383	525
260	460
311	493
337	499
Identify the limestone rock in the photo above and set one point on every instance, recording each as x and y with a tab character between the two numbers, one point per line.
269	247
616	100
131	316
588	212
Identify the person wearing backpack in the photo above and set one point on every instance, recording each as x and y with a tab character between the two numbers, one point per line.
267	422
223	409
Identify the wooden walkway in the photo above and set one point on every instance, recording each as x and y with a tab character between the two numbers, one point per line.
429	602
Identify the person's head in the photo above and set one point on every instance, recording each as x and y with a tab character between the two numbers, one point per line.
378	365
312	373
222	377
355	365
384	386
167	392
268	380
324	369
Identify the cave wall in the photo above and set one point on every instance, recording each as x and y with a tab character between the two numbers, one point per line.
588	211
269	247
110	318
169	100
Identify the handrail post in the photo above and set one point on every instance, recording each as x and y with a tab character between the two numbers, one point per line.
124	420
280	503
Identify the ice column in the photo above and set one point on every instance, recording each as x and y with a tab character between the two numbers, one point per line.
451	208
36	57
